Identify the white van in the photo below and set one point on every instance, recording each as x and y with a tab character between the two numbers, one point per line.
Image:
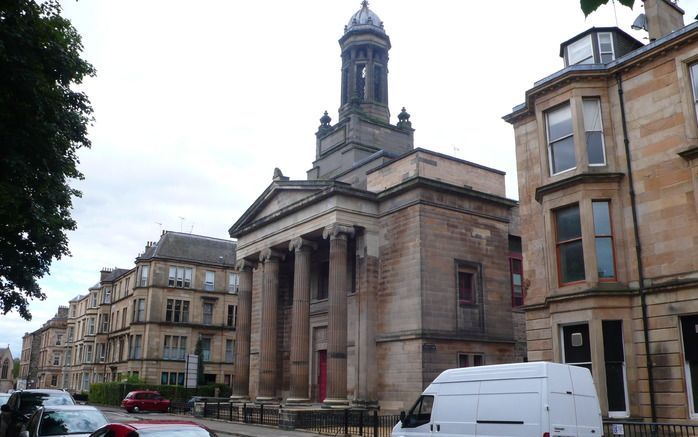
522	399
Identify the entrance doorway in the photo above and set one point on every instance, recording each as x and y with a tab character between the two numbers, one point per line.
321	375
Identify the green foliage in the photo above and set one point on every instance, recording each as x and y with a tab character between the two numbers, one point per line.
43	123
15	368
589	6
198	350
112	393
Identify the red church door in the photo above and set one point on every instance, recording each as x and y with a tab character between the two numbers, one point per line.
321	375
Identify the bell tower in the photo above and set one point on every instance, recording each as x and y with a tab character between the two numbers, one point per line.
365	47
363	136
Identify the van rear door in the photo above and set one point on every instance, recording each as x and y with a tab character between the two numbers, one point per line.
563	420
456	409
586	403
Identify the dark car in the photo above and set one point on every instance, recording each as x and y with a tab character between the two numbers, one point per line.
22	404
144	400
62	420
154	428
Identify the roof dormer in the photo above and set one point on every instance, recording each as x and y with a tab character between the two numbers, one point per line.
598	45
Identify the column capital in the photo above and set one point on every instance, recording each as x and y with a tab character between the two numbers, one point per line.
243	264
298	244
269	254
336	230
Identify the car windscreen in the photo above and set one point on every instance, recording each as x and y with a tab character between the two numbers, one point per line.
31	401
4	397
70	422
175	431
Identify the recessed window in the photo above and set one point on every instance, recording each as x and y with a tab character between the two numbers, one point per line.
209	280
139	310
179	277
570	254
232	316
206	348
229	351
606	50
470	360
233	283
593	130
143	278
689	331
580	52
174	347
466	286
614	358
208	313
177	311
560	139
694	85
603	240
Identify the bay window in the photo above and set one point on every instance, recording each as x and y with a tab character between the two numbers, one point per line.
603	240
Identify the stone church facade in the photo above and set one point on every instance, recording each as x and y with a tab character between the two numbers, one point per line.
386	266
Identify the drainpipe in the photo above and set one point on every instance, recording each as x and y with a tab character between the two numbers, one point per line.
638	248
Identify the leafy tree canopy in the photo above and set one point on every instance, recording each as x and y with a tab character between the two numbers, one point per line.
43	123
589	6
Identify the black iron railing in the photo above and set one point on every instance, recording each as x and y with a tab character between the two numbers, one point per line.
348	422
244	413
646	429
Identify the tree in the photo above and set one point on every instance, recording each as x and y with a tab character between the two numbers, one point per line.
43	123
199	351
589	6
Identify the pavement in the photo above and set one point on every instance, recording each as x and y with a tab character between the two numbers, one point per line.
220	427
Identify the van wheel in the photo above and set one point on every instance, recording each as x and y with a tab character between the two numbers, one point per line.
136	409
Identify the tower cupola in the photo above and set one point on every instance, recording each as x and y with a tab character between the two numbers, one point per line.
365	47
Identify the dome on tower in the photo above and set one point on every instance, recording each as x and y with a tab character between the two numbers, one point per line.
364	19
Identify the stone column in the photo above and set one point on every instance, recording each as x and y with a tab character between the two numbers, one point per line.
300	320
267	352
241	379
337	314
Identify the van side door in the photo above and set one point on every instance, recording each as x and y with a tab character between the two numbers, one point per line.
418	421
455	411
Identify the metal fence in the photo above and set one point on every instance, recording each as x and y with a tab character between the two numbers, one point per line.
347	422
245	413
646	429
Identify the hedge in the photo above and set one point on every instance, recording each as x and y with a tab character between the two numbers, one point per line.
112	393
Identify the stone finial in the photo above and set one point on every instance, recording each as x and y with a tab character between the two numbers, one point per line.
404	120
324	123
278	176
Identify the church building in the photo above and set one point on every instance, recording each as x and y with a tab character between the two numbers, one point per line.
386	266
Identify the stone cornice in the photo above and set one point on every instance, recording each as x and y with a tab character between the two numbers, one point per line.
584	178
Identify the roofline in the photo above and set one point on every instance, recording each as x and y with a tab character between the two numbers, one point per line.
594	70
442	155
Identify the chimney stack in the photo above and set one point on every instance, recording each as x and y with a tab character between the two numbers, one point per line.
663	17
104	273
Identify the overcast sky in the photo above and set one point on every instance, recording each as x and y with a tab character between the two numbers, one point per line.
197	102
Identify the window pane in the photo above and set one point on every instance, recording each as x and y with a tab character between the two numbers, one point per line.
569	225
559	123
605	43
592	115
694	77
580	52
606	57
562	155
602	218
604	258
595	150
571	262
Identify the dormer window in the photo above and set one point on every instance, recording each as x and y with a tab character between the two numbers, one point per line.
597	46
580	52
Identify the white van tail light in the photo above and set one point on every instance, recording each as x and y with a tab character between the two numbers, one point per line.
546	434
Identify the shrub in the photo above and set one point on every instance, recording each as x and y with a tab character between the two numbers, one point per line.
112	393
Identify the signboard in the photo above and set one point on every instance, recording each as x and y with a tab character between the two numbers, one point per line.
21	384
617	429
192	369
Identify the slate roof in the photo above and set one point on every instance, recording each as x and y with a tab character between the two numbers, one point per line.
194	248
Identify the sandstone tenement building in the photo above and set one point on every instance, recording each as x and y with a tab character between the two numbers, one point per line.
607	157
386	266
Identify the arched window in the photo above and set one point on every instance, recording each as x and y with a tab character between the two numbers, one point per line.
5	368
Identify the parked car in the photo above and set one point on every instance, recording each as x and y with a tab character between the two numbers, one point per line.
145	400
60	420
22	404
154	428
507	399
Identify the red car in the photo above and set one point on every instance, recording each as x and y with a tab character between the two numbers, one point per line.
154	428
145	400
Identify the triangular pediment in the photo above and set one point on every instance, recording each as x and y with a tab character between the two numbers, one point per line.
281	196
